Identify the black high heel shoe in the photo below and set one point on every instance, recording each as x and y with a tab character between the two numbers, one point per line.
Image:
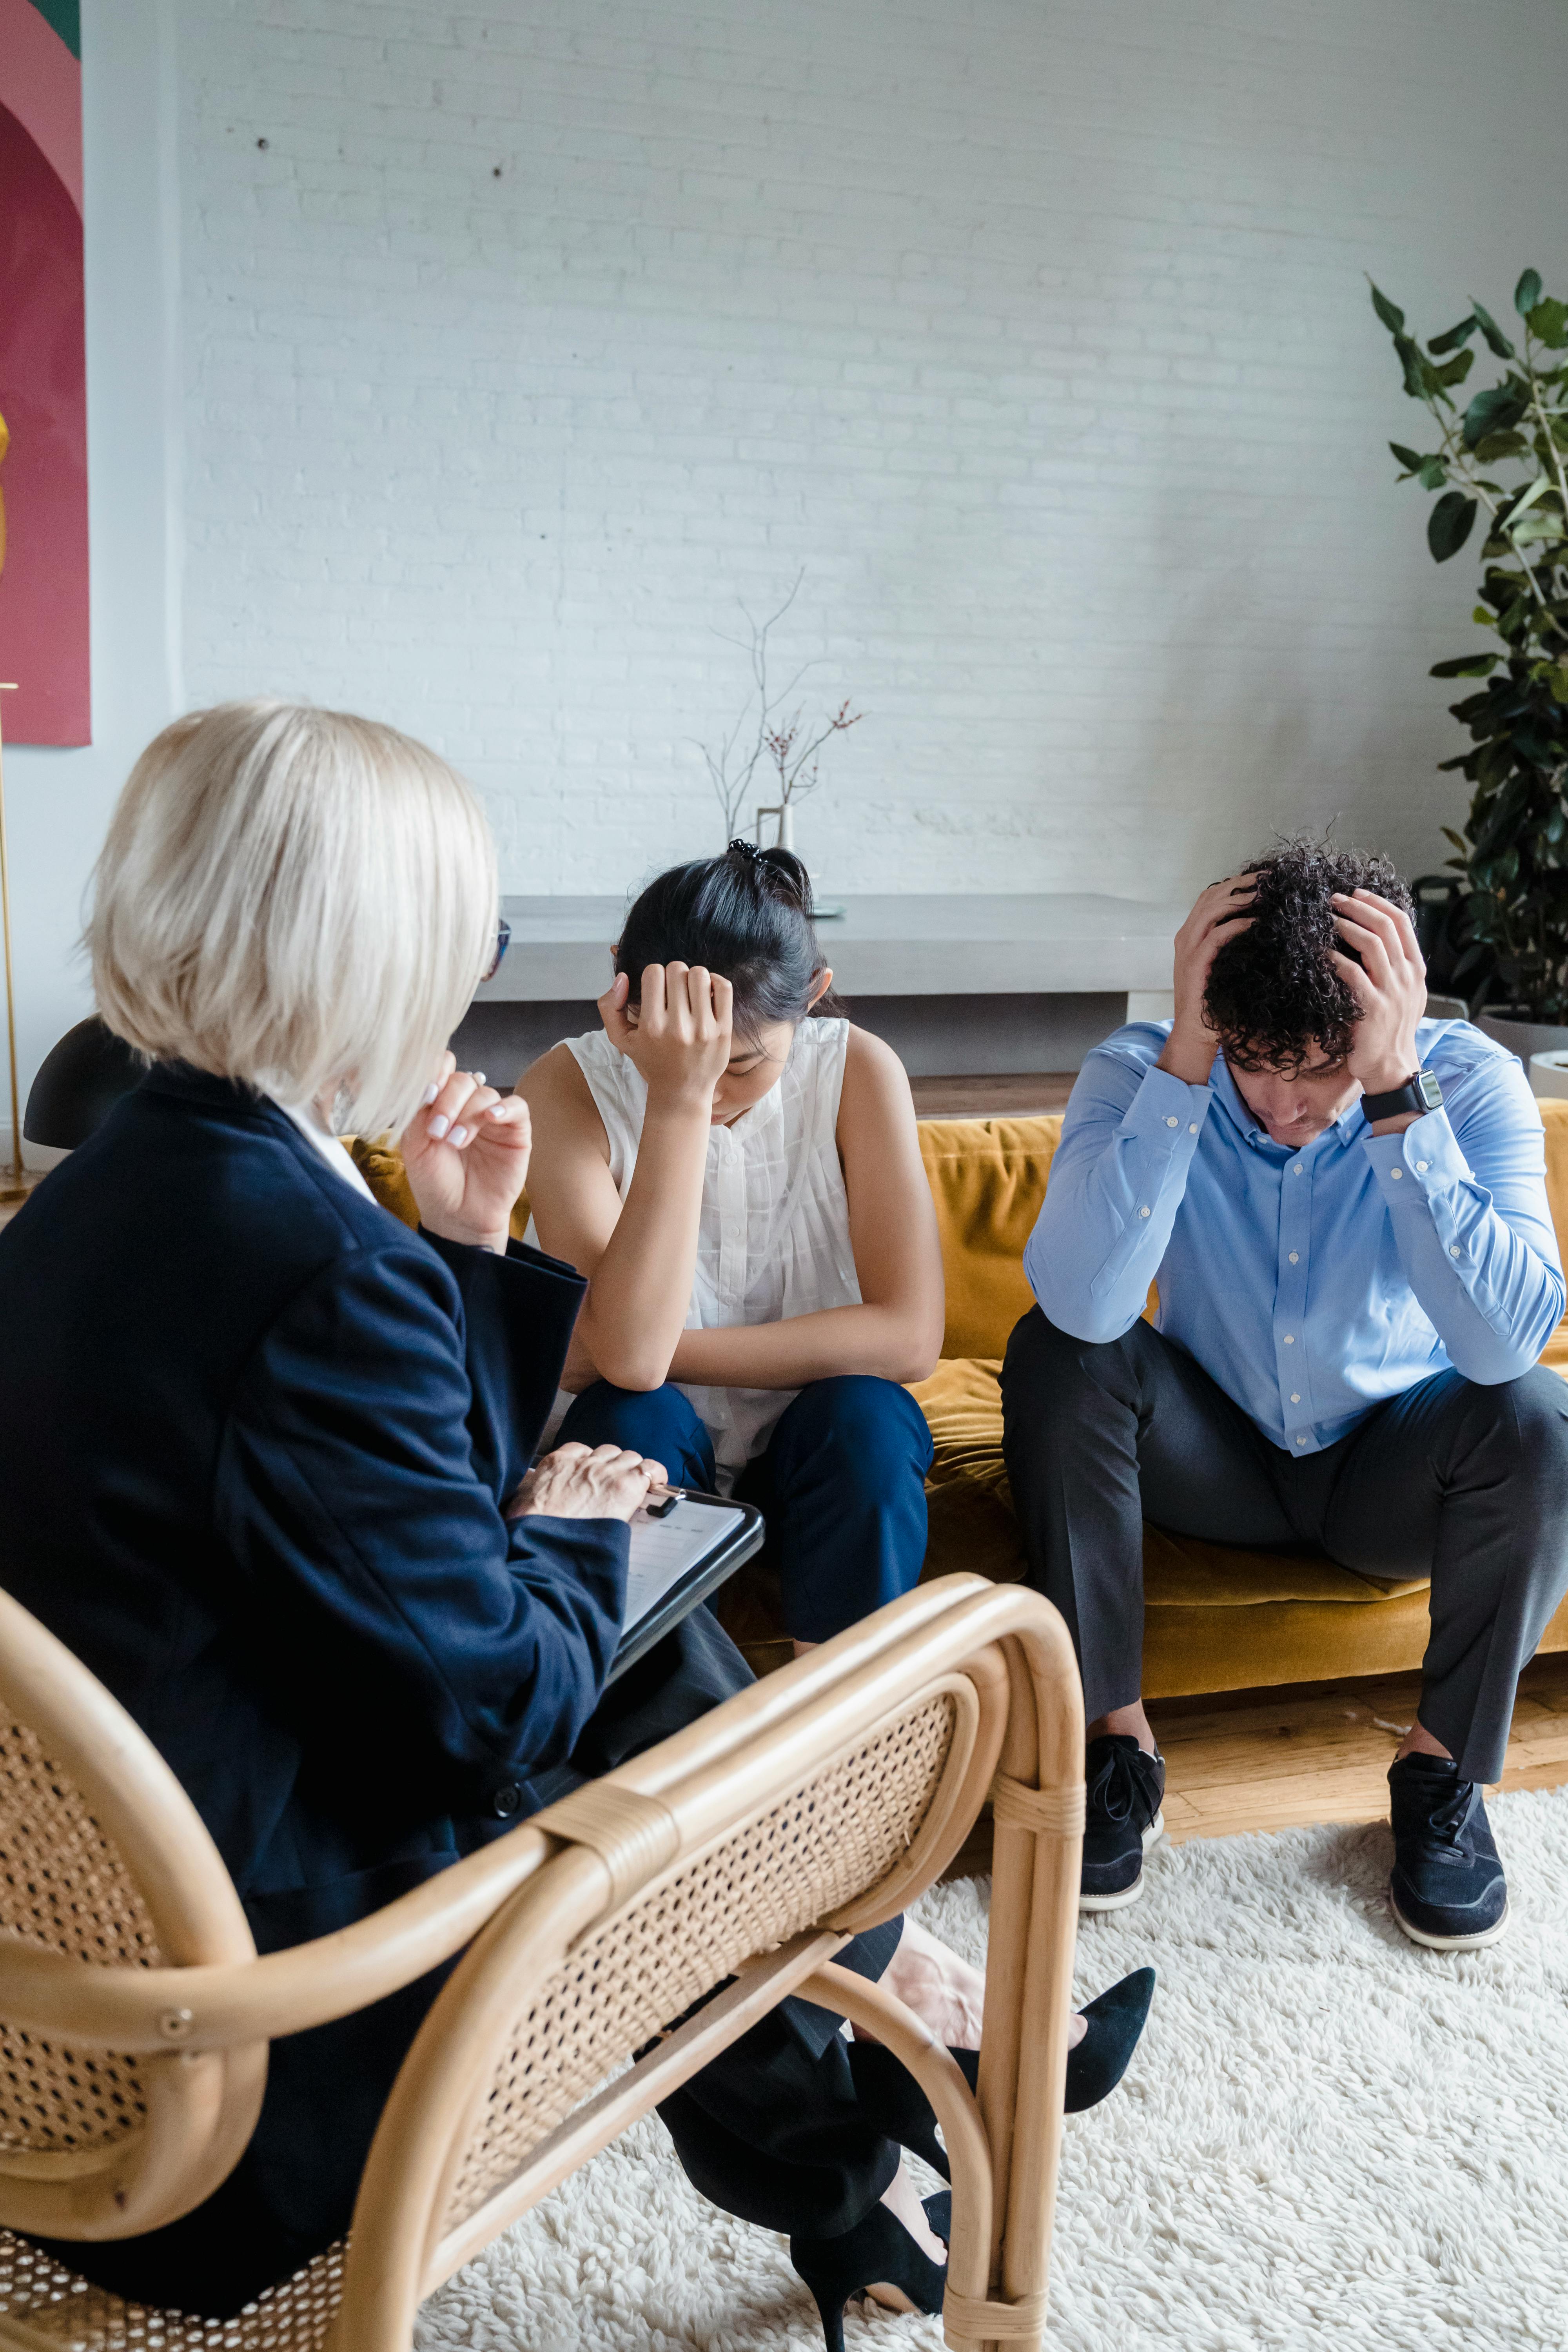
877	2251
895	2103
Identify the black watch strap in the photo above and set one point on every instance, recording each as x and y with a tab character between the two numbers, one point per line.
1419	1094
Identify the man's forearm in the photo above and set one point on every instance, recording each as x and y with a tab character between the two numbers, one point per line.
1115	1187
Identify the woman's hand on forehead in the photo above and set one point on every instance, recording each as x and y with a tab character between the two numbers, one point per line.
680	1037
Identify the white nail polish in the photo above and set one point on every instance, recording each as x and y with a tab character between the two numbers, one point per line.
459	1135
429	1095
479	1077
438	1127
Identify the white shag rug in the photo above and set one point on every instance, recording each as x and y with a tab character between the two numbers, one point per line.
1328	2139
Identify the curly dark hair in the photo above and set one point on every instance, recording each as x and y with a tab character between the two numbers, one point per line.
1274	994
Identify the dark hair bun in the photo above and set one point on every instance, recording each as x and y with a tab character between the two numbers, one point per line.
746	916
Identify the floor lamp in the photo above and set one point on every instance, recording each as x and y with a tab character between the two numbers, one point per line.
14	1182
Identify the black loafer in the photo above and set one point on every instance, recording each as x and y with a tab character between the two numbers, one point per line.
1126	1789
1448	1890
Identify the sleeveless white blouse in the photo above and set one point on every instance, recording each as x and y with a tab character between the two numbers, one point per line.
773	1237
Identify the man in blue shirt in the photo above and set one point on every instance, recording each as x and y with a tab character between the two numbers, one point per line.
1343	1206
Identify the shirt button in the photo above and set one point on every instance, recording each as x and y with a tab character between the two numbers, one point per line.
1142	1212
1294	1397
1396	1173
1453	1250
1297	1168
1301	1440
1290	1338
1421	1167
1173	1122
1295	1257
1193	1127
507	1801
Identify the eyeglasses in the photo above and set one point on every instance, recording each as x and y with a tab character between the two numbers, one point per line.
503	940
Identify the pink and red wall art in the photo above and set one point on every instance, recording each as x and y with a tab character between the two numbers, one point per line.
43	376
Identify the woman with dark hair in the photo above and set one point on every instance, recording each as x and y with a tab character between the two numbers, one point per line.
734	1167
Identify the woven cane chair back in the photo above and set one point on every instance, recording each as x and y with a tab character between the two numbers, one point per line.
834	1838
654	1904
104	1858
44	2308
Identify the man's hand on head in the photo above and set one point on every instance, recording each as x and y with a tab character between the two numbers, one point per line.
1390	985
1221	914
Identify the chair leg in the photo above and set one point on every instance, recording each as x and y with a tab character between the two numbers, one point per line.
937	2071
1037	1802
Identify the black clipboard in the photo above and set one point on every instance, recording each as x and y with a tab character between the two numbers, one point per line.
734	1546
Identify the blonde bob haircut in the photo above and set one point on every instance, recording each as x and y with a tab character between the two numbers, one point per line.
298	899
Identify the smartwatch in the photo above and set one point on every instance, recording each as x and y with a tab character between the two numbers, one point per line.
1421	1093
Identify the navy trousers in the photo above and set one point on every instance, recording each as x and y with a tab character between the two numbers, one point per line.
841	1486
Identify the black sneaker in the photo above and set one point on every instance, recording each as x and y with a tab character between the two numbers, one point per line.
1126	1786
1447	1889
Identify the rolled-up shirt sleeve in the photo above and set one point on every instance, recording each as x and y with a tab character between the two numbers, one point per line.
1116	1183
1465	1188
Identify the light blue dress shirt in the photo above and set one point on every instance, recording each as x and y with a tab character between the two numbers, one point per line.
1311	1284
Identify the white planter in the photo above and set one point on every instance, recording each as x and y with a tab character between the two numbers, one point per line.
1525	1038
1549	1073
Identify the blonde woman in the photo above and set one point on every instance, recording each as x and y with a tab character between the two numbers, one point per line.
265	1465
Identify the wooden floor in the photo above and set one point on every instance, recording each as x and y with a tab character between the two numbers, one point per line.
1320	1752
1275	1759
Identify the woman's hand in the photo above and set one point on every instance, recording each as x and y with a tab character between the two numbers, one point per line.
679	1040
467	1150
1220	914
575	1482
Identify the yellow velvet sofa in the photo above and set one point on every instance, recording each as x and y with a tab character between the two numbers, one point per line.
1218	1618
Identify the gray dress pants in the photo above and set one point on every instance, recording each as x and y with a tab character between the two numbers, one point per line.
1464	1484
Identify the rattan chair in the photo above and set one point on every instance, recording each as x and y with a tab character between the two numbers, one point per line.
739	1854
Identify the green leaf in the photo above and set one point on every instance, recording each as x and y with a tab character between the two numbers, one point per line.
1527	293
1466	666
1457	839
1534	527
1457	368
1411	459
1548	322
1527	496
1493	446
1416	365
1495	410
1449	524
1454	336
1393	318
1497	342
1433	474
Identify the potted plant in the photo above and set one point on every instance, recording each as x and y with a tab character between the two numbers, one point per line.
1499	933
763	738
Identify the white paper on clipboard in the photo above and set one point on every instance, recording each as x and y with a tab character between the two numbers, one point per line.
663	1551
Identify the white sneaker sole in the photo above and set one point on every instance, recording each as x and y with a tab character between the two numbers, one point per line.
1155	1830
1451	1943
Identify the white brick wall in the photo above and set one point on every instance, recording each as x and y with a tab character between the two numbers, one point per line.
1037	333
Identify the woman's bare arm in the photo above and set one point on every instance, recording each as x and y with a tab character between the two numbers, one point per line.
639	1255
896	1331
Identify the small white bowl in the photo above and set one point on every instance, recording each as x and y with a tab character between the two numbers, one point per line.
1549	1073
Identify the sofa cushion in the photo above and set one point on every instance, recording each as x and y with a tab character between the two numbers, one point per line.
987	1178
973	1525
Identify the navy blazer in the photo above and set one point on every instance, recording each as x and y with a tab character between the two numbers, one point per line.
255	1439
